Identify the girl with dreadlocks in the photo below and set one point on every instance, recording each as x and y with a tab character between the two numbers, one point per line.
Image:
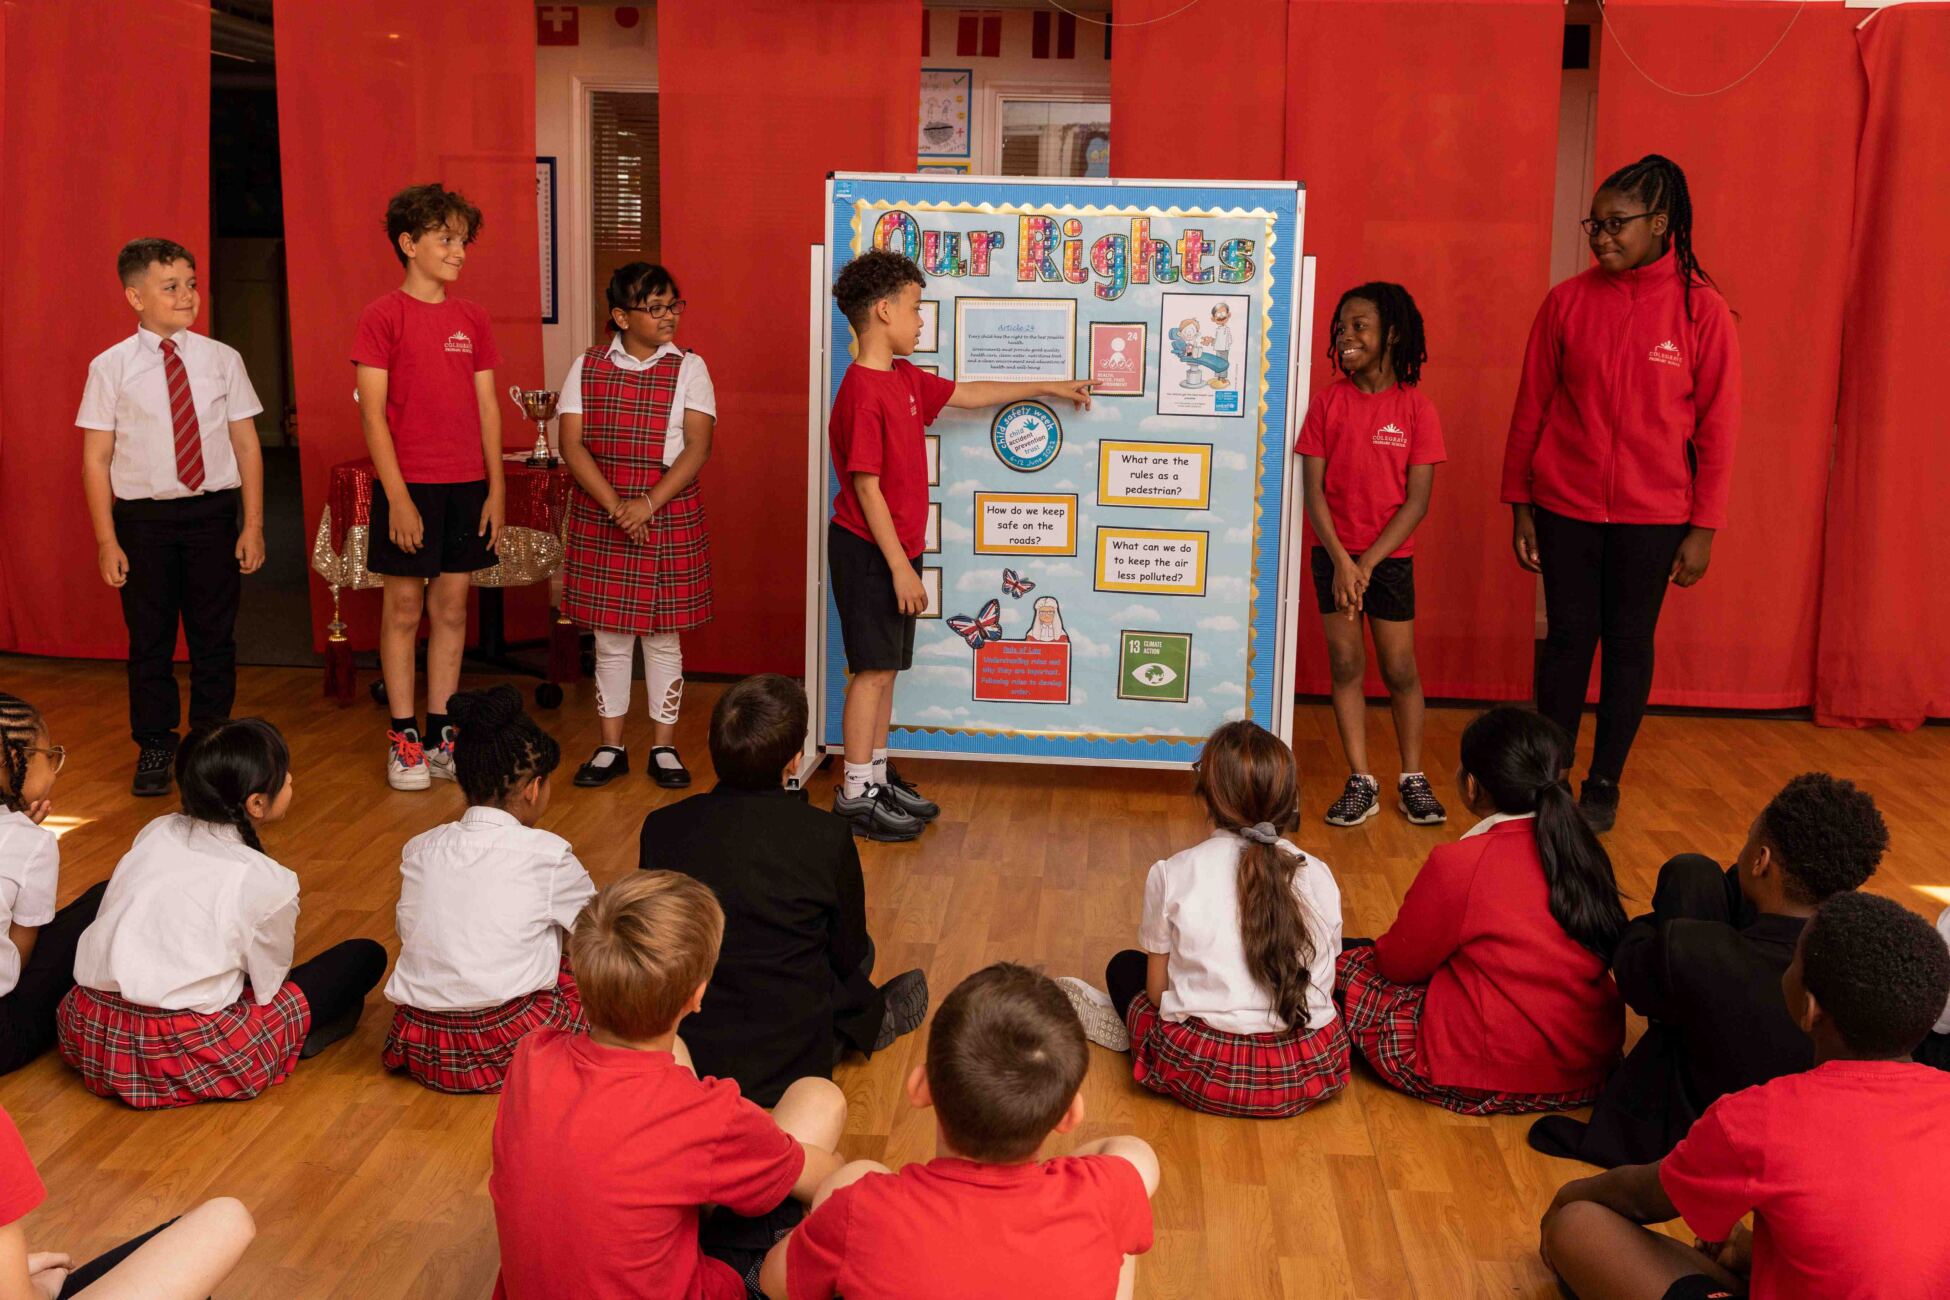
483	907
1620	454
1368	448
184	987
36	942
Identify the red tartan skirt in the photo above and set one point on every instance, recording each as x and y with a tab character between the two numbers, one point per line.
1254	1076
154	1059
661	584
1385	1020
469	1051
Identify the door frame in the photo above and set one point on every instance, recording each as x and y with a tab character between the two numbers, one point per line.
578	300
994	92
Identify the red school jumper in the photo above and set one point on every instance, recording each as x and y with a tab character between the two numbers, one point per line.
1628	408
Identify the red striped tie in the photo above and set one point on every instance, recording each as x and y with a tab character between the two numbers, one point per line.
182	416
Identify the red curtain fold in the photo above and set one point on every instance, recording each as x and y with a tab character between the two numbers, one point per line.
1770	164
1426	134
741	205
95	152
1184	104
372	97
1884	654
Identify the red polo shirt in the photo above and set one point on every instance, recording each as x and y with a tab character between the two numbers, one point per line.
1368	441
1628	408
20	1183
877	428
430	352
1514	1003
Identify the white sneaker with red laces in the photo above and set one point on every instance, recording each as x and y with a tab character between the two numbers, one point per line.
440	757
406	762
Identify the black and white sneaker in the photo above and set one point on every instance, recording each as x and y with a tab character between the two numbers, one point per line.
876	816
911	801
153	772
1360	800
1418	802
906	1007
1598	801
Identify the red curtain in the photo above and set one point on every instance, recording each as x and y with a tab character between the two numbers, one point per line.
1770	164
1165	57
95	152
759	99
374	96
1885	621
1426	134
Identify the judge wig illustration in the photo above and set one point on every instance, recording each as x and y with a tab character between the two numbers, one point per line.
1046	624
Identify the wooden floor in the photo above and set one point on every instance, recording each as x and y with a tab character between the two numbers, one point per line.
366	1185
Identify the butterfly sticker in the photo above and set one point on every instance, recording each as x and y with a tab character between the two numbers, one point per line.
1015	584
985	626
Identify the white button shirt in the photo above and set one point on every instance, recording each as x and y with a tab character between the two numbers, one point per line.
483	904
128	395
190	913
694	389
30	872
1191	913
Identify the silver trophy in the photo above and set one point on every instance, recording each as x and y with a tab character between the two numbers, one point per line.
538	404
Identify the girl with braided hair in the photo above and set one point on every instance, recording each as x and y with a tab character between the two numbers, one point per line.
184	988
1620	454
37	943
485	904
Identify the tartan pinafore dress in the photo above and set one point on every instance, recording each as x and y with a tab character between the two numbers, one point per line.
612	584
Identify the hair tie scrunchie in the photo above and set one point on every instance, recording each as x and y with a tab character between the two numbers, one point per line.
1263	833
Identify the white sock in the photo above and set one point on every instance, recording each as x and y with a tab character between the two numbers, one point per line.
666	758
1404	779
605	755
1366	777
858	777
880	767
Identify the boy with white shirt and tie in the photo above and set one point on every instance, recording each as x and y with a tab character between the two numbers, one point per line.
169	447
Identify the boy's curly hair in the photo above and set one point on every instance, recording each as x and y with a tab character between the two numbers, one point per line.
418	209
870	277
1827	833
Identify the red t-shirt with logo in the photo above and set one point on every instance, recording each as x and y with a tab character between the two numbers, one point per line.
20	1183
430	352
1368	441
1835	1165
877	428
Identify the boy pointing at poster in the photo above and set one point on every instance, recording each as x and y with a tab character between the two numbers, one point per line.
880	516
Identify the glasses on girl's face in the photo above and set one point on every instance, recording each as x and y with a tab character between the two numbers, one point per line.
57	754
1611	225
659	310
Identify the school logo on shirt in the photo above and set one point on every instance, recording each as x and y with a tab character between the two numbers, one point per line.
1391	435
1667	354
459	342
913	408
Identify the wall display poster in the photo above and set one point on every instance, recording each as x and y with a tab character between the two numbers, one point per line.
1103	585
930	327
945	96
545	225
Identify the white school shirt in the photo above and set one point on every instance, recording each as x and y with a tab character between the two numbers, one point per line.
1943	928
1191	913
483	904
30	872
694	389
1497	819
128	395
191	912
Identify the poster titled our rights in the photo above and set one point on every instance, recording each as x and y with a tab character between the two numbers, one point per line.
1102	584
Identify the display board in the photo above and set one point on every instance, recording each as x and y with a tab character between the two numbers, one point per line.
1105	585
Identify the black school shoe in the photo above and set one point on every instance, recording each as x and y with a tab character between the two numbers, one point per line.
152	772
597	772
906	1002
911	801
1599	803
670	778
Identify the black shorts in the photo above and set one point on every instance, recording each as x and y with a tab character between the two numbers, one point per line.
1698	1286
451	541
877	635
1391	588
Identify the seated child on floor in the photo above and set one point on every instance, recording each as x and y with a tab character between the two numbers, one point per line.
607	1148
986	1217
184	987
36	942
484	905
1705	967
791	990
1841	1166
1492	991
1935	1047
1229	1007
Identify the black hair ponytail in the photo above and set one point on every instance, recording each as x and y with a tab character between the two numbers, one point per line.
20	728
497	747
1518	758
1660	184
223	764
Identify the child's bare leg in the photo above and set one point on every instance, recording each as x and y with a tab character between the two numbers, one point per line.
446	638
1394	652
1347	661
849	1173
814	1111
400	604
869	704
884	720
1602	1255
189	1258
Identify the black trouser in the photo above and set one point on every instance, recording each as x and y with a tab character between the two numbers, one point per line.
94	1270
1124	979
182	567
336	981
1693	887
1602	582
27	1013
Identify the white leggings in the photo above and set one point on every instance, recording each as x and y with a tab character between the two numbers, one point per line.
663	674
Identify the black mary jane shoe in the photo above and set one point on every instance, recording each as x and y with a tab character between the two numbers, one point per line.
593	773
670	778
